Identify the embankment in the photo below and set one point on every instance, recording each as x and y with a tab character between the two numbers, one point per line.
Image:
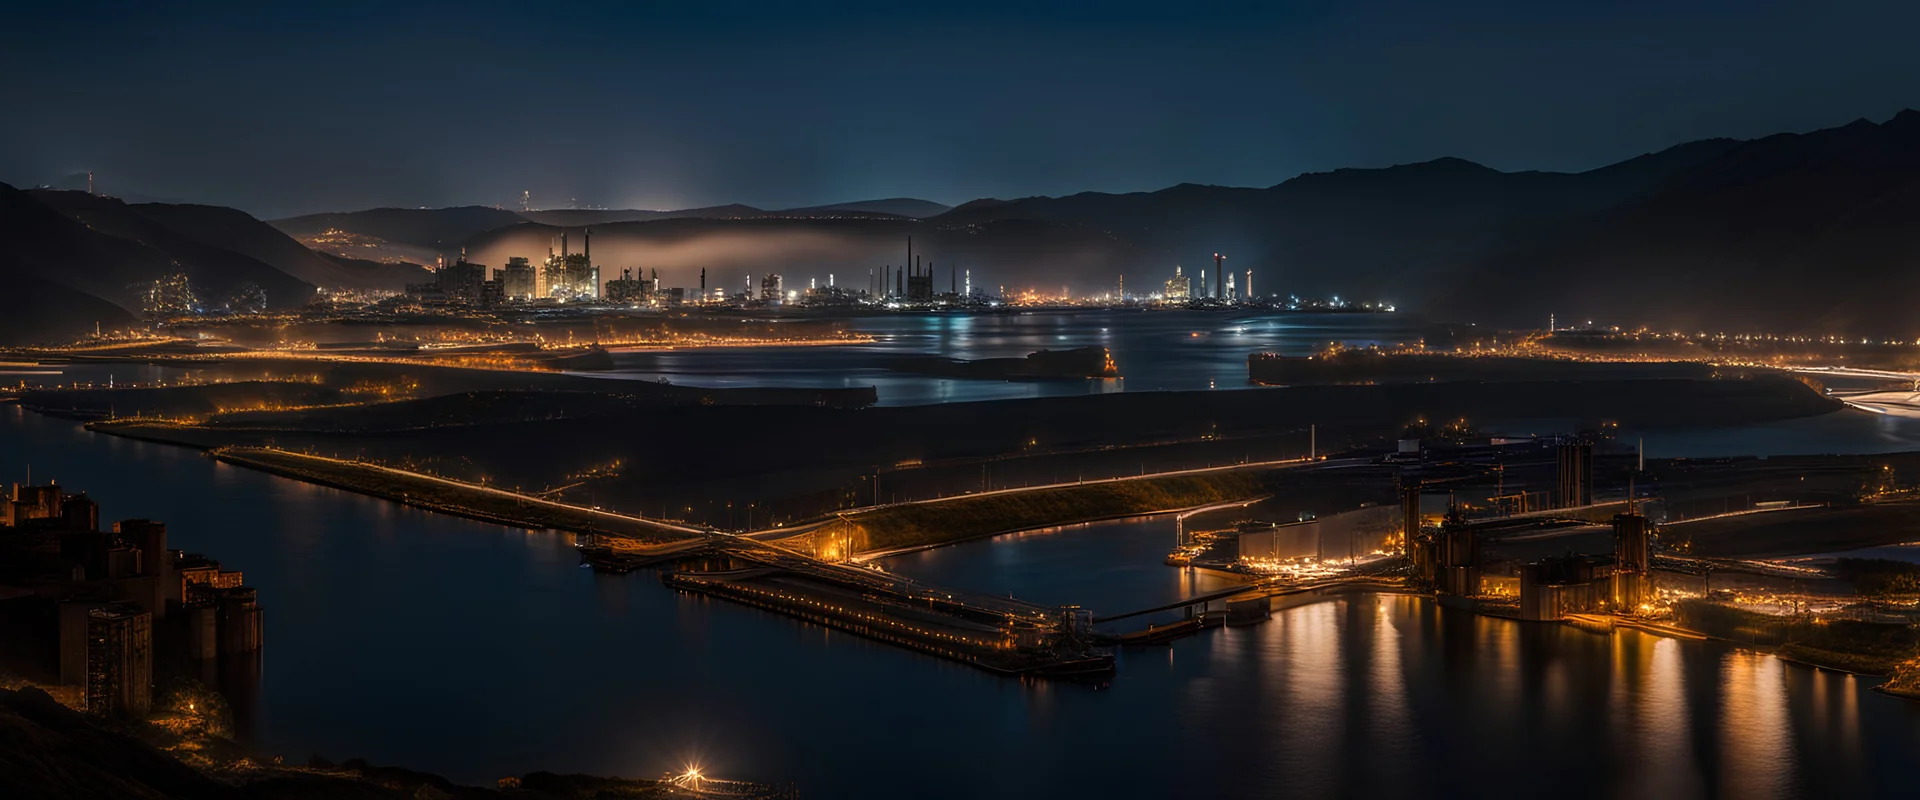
450	497
964	518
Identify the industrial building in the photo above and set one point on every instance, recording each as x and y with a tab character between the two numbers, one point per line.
1179	287
103	613
519	281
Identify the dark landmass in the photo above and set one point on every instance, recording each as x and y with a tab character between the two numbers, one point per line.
362	396
48	750
1901	355
40	246
1296	489
1848	645
1080	362
40	311
1793	233
1803	233
1377	366
1781	534
441	229
200	402
73	259
215	272
1780	234
241	233
707	463
897	206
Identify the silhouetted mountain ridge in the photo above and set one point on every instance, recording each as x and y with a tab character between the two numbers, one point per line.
1804	233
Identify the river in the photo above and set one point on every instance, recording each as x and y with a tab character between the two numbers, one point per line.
479	651
1172	350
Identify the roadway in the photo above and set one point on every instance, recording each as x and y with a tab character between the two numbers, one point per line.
470	487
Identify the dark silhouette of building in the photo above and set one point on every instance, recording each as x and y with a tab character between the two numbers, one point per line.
1555	587
105	610
1632	570
519	281
1457	557
920	283
1573	463
119	659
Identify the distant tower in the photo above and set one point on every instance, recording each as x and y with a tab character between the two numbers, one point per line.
526	200
969	285
90	182
1219	284
1248	288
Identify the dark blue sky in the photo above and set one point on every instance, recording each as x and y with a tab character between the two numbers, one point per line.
283	108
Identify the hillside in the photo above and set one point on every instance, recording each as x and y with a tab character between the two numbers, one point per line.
67	276
216	272
238	231
441	229
1804	233
39	311
895	206
1789	233
1389	232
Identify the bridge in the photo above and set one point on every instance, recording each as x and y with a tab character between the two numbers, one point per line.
1195	600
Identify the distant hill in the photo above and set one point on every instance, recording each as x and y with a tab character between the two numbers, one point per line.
441	229
238	231
581	217
64	277
1381	234
1805	233
896	206
1808	233
1387	234
215	271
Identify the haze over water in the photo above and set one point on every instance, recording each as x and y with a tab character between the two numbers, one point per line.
479	651
1160	350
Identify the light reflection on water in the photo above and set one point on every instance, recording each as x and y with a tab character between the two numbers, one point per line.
479	651
1171	350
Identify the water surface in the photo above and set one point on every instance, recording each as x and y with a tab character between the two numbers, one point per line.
479	651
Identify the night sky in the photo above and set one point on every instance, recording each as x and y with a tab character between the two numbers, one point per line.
288	108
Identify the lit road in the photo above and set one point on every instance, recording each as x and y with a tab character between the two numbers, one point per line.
1288	462
477	488
796	530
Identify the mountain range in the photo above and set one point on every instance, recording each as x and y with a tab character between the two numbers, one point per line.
74	261
1791	233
